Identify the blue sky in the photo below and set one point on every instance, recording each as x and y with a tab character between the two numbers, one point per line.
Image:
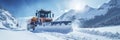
25	8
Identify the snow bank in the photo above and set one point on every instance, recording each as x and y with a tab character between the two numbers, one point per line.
23	21
112	29
71	36
109	31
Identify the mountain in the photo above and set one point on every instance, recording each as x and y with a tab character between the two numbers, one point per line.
92	17
7	21
68	16
110	18
72	14
87	14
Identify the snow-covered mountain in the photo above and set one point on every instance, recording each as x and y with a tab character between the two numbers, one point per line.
7	21
111	17
68	16
89	14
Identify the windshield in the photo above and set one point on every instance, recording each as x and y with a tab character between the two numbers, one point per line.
45	15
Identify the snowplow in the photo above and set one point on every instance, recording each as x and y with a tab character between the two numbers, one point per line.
43	22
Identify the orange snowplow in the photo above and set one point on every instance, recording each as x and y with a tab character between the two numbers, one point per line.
44	18
34	19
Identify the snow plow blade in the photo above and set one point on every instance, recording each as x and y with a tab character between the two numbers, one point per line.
58	26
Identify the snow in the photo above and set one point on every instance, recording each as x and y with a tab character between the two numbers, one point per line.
112	29
54	28
48	36
109	29
26	35
77	33
1	26
67	16
6	20
56	32
115	3
90	13
87	14
112	32
71	36
18	35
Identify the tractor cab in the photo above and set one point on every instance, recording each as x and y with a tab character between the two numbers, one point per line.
44	16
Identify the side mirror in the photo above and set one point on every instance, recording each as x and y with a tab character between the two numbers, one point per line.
52	15
36	14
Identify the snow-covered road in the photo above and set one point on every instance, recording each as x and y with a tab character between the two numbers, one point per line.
18	35
26	35
71	36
